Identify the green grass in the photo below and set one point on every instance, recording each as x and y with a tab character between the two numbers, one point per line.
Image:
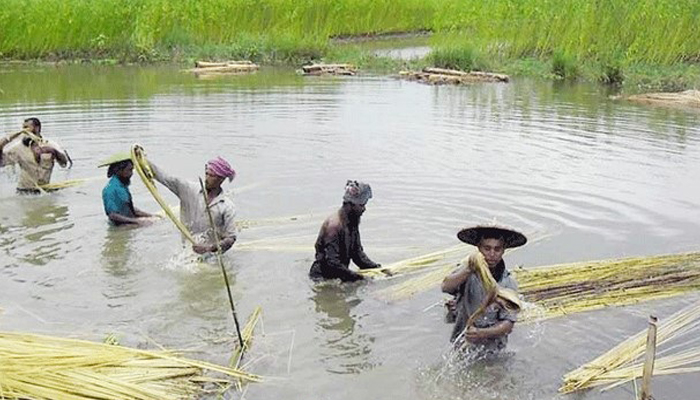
605	40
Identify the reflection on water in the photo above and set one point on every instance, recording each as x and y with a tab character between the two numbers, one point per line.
36	228
347	349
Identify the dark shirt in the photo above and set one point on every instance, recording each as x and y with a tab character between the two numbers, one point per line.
334	250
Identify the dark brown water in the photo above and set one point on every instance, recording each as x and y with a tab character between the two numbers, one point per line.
594	178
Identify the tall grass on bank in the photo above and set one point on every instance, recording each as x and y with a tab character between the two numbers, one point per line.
609	32
35	28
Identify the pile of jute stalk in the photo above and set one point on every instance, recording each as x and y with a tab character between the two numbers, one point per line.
43	367
624	363
569	288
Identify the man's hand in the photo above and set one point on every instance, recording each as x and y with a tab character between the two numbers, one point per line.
203	248
476	335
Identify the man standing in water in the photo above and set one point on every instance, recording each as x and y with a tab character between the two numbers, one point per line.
193	211
489	331
34	155
338	240
116	196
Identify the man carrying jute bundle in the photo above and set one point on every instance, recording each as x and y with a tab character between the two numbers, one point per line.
35	156
486	301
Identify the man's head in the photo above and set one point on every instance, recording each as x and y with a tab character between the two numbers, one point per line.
355	199
492	240
216	171
123	170
33	125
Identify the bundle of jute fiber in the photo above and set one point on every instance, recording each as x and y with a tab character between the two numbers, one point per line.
569	288
247	333
44	367
623	362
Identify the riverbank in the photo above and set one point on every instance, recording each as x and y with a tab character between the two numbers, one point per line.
641	44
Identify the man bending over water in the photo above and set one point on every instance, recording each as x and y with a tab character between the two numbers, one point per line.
490	330
338	240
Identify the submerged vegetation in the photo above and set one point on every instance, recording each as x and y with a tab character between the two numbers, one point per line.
604	40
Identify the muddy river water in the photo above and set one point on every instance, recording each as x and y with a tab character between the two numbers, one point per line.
589	177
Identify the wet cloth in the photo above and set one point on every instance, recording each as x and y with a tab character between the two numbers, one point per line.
221	168
193	211
470	295
116	198
32	173
334	250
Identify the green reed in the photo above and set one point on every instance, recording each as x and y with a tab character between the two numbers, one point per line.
612	33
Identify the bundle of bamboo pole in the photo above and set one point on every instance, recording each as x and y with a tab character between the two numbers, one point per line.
43	367
227	67
329	69
439	76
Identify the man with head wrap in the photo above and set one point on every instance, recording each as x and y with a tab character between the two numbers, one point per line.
338	240
193	210
116	196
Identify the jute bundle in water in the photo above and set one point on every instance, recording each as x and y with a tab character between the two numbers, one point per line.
43	367
624	363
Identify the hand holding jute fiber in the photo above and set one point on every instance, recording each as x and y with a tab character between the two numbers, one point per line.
494	293
49	368
625	362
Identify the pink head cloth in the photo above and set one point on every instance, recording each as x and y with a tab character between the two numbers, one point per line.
221	168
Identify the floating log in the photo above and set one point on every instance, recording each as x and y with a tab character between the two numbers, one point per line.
688	98
208	64
440	76
329	69
227	67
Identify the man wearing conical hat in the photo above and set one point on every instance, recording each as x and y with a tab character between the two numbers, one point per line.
488	327
338	240
116	197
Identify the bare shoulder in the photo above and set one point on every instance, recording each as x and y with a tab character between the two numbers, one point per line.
332	225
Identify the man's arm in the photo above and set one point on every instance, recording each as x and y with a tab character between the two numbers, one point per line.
227	232
501	328
452	282
175	185
142	214
4	142
358	255
121	219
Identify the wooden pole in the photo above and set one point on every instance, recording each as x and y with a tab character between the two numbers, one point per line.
221	264
649	360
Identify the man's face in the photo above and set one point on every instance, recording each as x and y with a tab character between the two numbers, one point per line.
212	181
355	212
29	126
126	173
492	249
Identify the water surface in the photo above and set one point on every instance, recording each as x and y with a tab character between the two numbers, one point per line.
588	177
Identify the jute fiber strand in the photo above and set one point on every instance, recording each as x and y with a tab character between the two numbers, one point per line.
43	367
624	363
569	288
143	169
247	334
